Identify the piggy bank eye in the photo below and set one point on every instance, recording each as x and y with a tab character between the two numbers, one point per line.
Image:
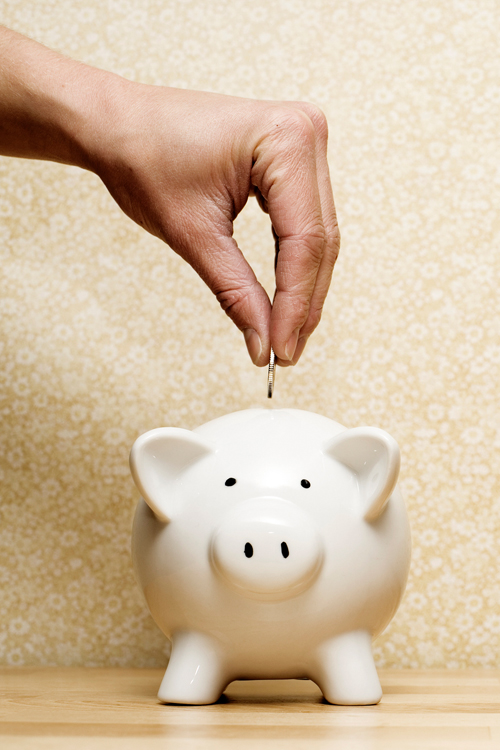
229	482
305	483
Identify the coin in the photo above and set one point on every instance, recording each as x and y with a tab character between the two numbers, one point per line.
272	364
270	375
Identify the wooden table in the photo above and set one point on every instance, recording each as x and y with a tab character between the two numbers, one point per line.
92	709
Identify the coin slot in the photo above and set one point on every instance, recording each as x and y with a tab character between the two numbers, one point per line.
230	482
284	550
305	483
248	550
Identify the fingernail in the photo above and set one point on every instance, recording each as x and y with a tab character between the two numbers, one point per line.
299	348
254	344
291	344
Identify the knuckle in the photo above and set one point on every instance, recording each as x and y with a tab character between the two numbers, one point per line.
291	122
299	305
313	244
333	240
317	117
230	298
312	321
236	302
301	259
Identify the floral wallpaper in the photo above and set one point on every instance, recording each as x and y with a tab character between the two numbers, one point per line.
105	333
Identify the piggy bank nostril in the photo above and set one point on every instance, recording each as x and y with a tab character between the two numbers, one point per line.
267	548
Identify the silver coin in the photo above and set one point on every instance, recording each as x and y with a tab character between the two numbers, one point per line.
270	375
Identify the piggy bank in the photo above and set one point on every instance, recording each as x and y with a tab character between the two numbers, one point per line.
270	544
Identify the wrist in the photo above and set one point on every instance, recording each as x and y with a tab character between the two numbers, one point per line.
91	115
51	107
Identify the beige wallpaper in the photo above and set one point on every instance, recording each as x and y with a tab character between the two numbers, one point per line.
105	333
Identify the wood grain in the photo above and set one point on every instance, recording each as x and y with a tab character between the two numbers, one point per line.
80	708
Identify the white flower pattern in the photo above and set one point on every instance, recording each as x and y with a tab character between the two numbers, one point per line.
105	333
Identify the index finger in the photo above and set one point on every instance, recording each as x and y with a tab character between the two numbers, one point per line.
330	224
285	172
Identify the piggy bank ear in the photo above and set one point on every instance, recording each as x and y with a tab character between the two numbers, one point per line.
373	456
158	458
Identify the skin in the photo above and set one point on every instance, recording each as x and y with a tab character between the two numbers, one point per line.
182	164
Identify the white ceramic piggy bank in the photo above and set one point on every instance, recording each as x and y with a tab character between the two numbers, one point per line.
271	544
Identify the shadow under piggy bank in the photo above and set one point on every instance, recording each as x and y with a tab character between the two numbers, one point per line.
270	544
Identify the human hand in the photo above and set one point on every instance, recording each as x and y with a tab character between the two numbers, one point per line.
182	164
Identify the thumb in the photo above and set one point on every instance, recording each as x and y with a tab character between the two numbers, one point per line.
226	272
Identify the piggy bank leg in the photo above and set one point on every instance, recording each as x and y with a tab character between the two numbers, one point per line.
344	670
195	672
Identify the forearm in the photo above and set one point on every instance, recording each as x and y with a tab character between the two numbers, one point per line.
182	164
48	103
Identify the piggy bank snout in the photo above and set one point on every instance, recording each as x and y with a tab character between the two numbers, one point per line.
267	549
